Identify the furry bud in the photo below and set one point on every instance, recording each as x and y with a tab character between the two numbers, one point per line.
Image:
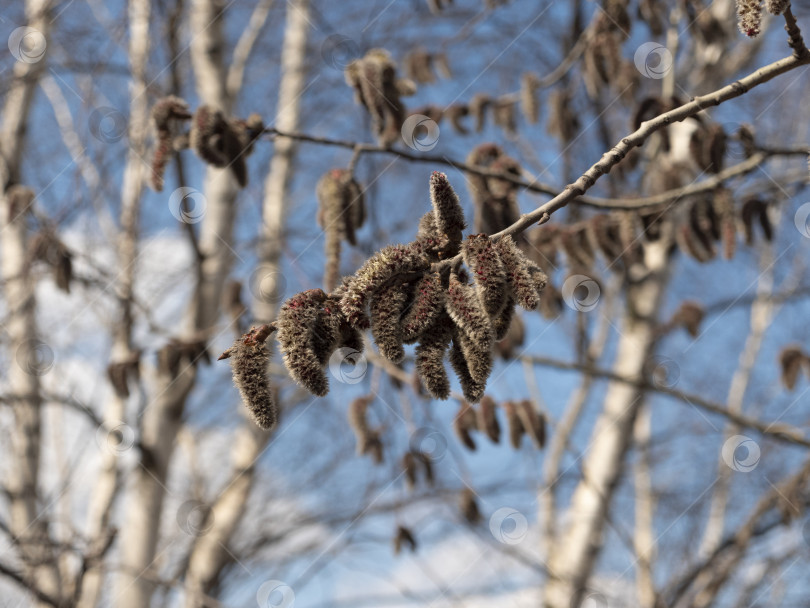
749	17
446	208
249	360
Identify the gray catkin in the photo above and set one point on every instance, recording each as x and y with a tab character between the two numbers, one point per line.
249	361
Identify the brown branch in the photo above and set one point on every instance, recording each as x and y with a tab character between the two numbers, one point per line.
781	432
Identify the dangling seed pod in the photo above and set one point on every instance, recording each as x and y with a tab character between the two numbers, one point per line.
404	537
754	209
341	212
455	113
358	423
723	207
529	83
487	421
708	146
297	323
249	360
419	66
478	108
562	120
513	424
386	307
374	447
430	354
409	468
503	115
534	423
488	272
791	360
469	507
464	422
427	305
689	316
375	273
164	112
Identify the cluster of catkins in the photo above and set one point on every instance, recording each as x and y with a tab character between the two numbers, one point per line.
503	109
421	66
603	64
522	418
749	14
494	198
341	212
218	140
793	360
378	89
46	247
406	300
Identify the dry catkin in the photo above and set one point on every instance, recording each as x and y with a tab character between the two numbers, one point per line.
791	359
409	468
249	361
427	304
753	210
341	211
489	274
534	423
404	537
723	207
455	113
469	507
514	425
478	108
358	423
464	422
529	83
487	421
164	112
387	304
689	316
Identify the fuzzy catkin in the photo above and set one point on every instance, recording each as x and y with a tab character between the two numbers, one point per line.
387	304
489	274
472	390
427	304
377	271
249	361
518	276
749	17
529	83
475	334
430	356
791	359
501	323
446	208
296	324
164	111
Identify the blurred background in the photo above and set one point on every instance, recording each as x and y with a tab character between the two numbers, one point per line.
668	364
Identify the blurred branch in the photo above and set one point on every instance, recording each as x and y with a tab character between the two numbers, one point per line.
781	432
